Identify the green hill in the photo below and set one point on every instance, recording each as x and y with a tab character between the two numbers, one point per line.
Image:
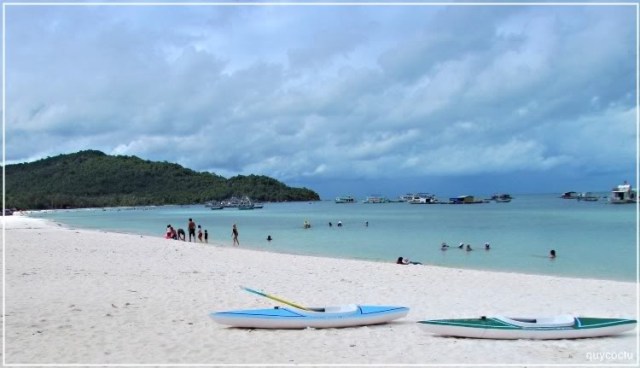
94	179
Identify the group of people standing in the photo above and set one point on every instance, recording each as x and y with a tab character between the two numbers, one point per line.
202	236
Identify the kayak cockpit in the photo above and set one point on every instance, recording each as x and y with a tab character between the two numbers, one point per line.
554	321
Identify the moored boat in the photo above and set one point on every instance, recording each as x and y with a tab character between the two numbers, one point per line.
501	198
569	195
543	328
376	199
587	197
214	205
623	193
423	198
465	199
345	199
289	317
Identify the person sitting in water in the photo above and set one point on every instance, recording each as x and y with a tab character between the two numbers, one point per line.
461	246
181	235
269	238
444	246
406	261
487	246
339	223
552	254
469	248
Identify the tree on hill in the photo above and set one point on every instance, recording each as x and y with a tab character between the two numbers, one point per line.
94	179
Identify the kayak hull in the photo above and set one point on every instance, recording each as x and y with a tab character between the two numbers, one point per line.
546	328
295	318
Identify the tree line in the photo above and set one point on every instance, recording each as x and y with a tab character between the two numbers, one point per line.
93	179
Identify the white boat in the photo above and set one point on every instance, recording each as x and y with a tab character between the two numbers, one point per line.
214	205
405	198
423	198
345	199
541	328
349	315
623	193
376	199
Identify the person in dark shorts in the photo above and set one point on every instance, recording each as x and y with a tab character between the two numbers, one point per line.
181	235
206	236
192	230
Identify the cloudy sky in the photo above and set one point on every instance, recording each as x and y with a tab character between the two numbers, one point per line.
340	99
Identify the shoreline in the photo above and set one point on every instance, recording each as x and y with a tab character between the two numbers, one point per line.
258	249
78	296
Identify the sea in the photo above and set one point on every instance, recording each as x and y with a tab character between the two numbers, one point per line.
592	239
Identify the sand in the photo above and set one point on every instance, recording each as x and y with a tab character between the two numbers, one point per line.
90	297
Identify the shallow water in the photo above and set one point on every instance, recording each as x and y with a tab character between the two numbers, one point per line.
592	239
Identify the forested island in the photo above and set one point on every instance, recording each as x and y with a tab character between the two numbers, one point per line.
94	179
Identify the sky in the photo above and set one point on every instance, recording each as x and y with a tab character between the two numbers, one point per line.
344	100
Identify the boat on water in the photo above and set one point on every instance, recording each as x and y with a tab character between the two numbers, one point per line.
405	198
501	198
345	199
376	199
541	328
423	198
466	199
587	197
246	204
622	194
290	317
214	205
569	195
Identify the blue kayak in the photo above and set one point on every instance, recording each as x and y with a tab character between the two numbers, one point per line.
329	317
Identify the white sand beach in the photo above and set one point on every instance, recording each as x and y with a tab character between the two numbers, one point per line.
90	297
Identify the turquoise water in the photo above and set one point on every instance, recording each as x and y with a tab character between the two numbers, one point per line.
592	239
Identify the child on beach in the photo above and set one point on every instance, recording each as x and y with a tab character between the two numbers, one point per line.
200	233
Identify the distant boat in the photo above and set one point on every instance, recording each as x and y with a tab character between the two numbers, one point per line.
587	196
246	204
214	205
501	198
376	199
405	198
231	202
345	199
569	195
423	198
623	194
465	199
